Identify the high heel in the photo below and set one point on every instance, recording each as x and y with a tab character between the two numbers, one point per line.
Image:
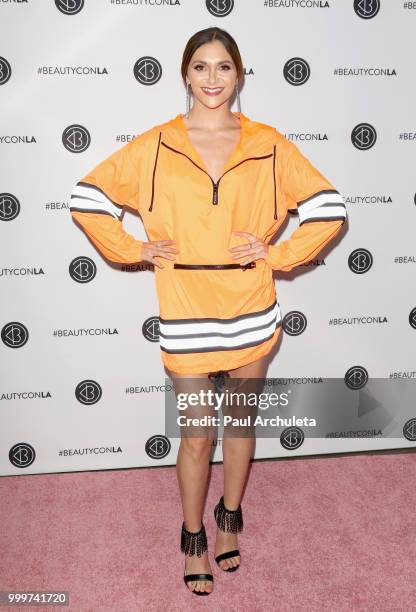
228	521
195	543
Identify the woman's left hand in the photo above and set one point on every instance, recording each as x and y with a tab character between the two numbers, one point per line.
254	249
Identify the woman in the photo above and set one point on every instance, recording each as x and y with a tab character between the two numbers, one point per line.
212	187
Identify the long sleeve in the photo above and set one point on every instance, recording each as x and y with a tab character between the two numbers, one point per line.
97	203
320	207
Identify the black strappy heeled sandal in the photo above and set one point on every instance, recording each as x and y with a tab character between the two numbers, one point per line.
229	521
195	543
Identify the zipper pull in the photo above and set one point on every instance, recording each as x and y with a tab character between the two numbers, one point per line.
215	193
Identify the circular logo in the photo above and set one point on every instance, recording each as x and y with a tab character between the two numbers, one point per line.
22	455
147	70
5	70
294	323
14	335
363	136
69	7
151	330
220	8
412	318
88	392
82	269
409	430
366	9
9	207
356	377
76	138
291	438
157	447
360	261
296	71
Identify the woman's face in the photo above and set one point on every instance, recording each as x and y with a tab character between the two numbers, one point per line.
211	69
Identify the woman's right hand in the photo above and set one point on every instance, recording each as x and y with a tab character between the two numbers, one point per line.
157	248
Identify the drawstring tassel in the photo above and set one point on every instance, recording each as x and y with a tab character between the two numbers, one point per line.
219	379
193	542
228	520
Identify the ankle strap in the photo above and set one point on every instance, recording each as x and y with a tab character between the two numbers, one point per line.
193	542
228	520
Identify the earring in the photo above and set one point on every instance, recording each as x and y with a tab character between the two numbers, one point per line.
238	98
188	99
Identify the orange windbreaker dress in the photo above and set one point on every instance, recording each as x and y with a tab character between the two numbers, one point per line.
214	313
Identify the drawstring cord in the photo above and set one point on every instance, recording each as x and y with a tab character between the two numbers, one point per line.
274	181
154	172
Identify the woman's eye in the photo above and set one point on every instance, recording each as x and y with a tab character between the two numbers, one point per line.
226	66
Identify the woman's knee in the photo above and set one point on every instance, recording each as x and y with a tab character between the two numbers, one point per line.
197	447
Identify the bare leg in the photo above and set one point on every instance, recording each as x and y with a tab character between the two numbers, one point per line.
237	453
192	469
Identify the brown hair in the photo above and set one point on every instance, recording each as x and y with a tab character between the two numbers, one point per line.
208	35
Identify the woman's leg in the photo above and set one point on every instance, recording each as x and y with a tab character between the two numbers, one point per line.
192	468
237	453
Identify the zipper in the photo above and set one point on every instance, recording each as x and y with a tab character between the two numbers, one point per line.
251	264
215	185
215	194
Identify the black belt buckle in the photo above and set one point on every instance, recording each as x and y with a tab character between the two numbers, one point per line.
250	264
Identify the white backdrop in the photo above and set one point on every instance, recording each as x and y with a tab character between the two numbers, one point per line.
82	382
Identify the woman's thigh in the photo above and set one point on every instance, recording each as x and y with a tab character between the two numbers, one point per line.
255	369
195	402
241	386
194	382
245	383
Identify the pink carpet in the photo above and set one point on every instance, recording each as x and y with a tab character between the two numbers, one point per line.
321	534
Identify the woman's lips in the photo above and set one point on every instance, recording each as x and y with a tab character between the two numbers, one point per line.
214	91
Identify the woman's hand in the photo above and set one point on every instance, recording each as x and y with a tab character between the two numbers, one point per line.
254	249
157	248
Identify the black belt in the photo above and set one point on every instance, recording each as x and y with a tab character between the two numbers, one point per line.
251	264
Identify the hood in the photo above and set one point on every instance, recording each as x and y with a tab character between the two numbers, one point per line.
256	139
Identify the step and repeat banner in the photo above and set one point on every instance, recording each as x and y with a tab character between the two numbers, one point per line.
82	382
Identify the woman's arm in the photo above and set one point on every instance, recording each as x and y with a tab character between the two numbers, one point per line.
97	203
320	206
